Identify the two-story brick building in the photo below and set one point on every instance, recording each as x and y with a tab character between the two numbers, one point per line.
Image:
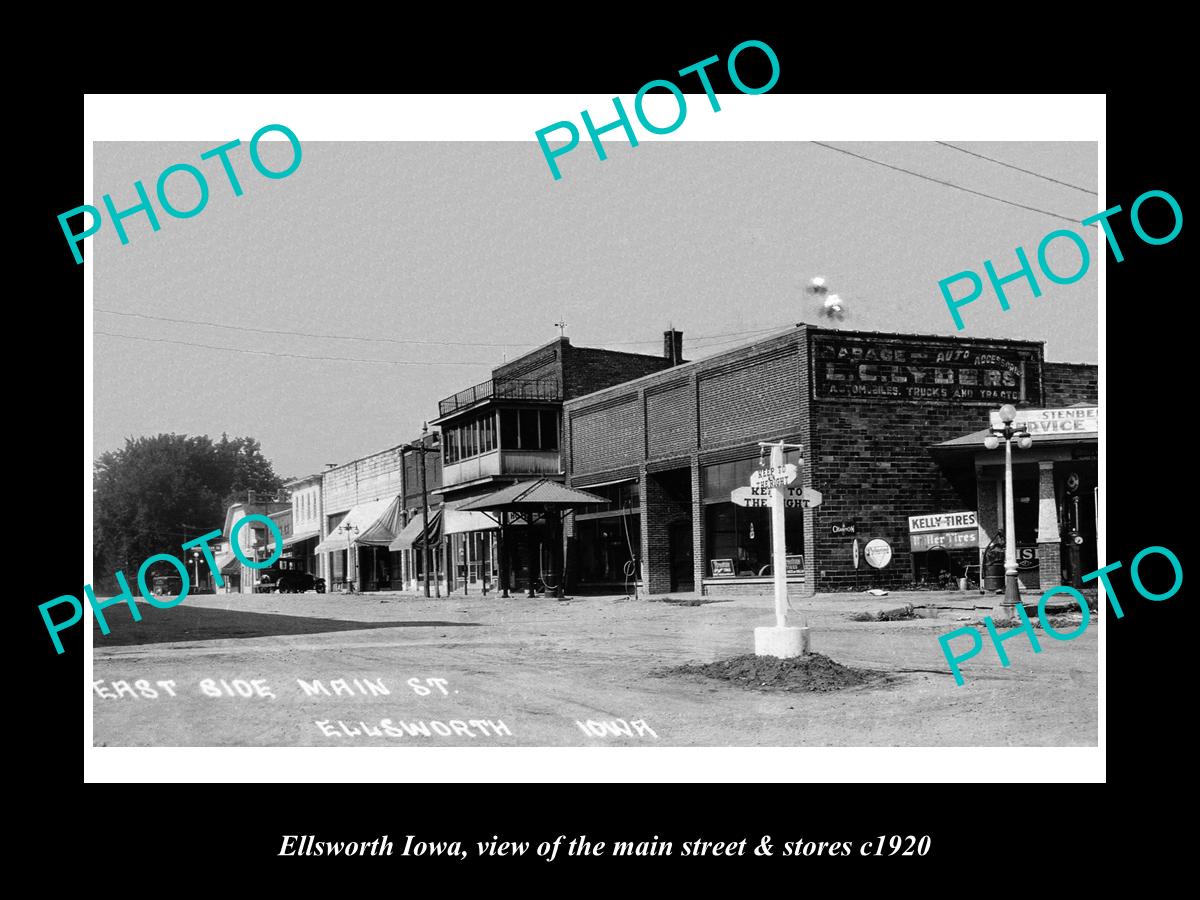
866	408
508	429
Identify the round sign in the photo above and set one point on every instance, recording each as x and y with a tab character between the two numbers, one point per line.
878	553
855	550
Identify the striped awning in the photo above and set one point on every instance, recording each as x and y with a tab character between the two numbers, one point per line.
374	523
413	534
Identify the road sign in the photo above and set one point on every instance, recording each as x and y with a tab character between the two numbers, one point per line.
773	475
760	497
878	553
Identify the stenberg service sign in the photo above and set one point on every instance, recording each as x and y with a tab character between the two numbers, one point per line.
1072	420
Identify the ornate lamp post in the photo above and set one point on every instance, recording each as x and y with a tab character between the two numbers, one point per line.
1008	432
349	531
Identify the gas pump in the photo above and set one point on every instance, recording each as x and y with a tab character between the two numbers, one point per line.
1073	539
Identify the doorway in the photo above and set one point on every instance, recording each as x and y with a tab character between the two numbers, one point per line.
679	541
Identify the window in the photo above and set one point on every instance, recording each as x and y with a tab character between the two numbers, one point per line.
508	429
549	424
529	429
620	497
739	533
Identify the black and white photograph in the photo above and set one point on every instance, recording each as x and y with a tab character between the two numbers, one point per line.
726	439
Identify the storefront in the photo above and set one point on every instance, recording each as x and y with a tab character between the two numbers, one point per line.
868	410
1055	487
357	546
470	548
604	552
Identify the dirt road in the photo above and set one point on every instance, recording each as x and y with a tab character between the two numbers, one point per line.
377	670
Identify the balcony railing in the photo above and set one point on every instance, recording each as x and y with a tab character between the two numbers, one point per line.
502	388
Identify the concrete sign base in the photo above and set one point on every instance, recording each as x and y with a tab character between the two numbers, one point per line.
784	643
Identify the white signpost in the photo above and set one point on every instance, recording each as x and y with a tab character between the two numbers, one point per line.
770	487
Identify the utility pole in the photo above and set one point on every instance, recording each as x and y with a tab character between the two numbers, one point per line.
421	449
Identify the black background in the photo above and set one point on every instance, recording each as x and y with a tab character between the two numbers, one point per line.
203	836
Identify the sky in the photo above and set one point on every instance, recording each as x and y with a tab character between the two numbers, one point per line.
442	260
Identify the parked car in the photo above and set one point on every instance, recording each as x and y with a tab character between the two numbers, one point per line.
287	577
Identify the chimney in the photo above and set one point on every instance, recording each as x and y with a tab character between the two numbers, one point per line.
673	346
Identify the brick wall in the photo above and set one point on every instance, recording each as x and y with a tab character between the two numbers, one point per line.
671	418
607	435
749	395
412	475
544	362
1071	383
586	369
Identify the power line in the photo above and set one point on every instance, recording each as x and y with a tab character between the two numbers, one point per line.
339	337
950	184
381	362
381	340
1017	168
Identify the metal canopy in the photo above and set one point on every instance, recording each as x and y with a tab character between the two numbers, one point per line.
528	496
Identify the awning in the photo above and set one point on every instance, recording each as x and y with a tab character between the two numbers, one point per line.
974	441
600	484
413	534
457	521
527	495
297	538
227	563
374	523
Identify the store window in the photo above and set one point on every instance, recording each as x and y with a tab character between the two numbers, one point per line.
624	496
737	538
549	429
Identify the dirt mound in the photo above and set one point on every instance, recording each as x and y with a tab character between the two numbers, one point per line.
813	672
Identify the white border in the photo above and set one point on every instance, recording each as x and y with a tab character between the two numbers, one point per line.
765	117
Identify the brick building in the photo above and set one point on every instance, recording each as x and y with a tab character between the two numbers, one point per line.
868	410
508	429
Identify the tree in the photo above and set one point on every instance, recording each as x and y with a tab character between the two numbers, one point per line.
158	492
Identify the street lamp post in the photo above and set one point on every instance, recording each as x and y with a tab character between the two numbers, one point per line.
349	531
423	449
1008	432
196	565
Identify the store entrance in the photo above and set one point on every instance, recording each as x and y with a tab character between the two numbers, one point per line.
679	537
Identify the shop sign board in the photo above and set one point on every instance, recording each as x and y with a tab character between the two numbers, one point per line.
1027	558
722	568
773	476
878	553
795	564
948	540
928	370
1072	420
845	529
959	521
760	497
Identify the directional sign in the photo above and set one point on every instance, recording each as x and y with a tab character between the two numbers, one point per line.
773	475
760	497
